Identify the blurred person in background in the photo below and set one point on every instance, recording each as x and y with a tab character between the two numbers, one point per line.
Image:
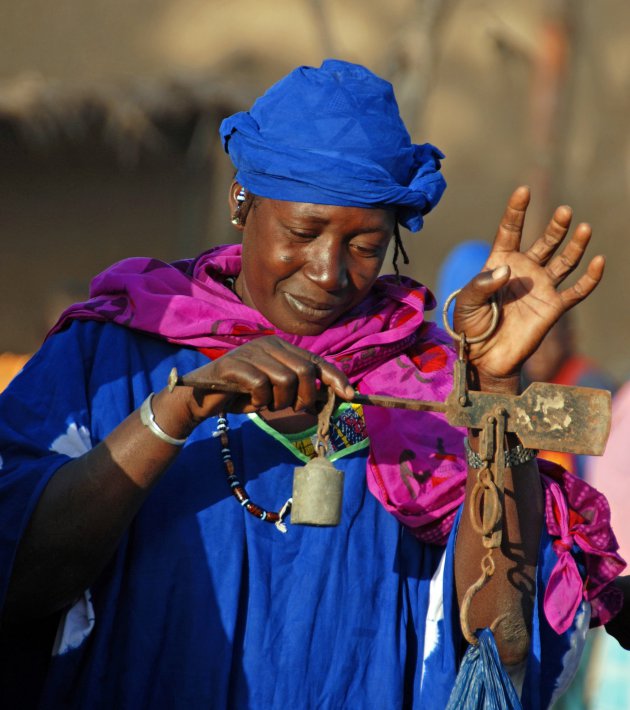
126	518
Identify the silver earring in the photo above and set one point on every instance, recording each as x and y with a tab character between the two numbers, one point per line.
240	198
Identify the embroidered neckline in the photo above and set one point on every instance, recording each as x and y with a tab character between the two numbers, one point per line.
348	434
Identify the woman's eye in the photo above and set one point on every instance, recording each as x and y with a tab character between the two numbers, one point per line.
367	250
303	235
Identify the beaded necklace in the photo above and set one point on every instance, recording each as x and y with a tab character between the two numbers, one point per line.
237	488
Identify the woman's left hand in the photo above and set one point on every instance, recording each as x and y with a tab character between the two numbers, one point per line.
526	285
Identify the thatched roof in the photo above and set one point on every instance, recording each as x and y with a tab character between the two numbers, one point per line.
149	117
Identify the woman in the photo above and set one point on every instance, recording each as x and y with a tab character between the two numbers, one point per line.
120	519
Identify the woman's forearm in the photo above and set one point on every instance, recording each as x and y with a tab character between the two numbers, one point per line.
509	593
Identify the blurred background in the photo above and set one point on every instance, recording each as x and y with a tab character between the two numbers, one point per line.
109	112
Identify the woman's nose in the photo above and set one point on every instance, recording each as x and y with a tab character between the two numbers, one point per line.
326	266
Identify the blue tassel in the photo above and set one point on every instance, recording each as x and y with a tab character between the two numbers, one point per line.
482	682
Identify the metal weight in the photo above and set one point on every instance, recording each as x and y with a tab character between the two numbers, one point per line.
317	493
318	486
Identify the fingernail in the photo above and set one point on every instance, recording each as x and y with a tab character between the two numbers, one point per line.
500	272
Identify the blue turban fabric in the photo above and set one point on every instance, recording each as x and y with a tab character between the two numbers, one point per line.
334	136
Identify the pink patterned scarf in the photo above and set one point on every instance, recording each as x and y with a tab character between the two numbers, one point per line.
416	464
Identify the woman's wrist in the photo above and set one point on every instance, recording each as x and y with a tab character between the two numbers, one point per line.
515	454
484	382
508	385
173	413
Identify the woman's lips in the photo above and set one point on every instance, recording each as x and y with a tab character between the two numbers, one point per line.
310	309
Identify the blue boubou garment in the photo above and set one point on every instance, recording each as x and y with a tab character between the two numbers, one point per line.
204	606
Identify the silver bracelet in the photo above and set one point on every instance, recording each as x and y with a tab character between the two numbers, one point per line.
148	419
513	457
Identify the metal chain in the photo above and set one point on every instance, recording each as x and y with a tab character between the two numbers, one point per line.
323	424
485	508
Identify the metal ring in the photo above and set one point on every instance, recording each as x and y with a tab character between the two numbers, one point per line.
477	497
477	338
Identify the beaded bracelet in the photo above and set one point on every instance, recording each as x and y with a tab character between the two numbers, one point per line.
514	457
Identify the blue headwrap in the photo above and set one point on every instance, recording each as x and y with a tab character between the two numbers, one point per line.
334	136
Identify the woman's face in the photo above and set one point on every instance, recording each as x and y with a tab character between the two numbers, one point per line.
305	265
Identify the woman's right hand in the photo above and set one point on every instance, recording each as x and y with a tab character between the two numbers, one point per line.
268	373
